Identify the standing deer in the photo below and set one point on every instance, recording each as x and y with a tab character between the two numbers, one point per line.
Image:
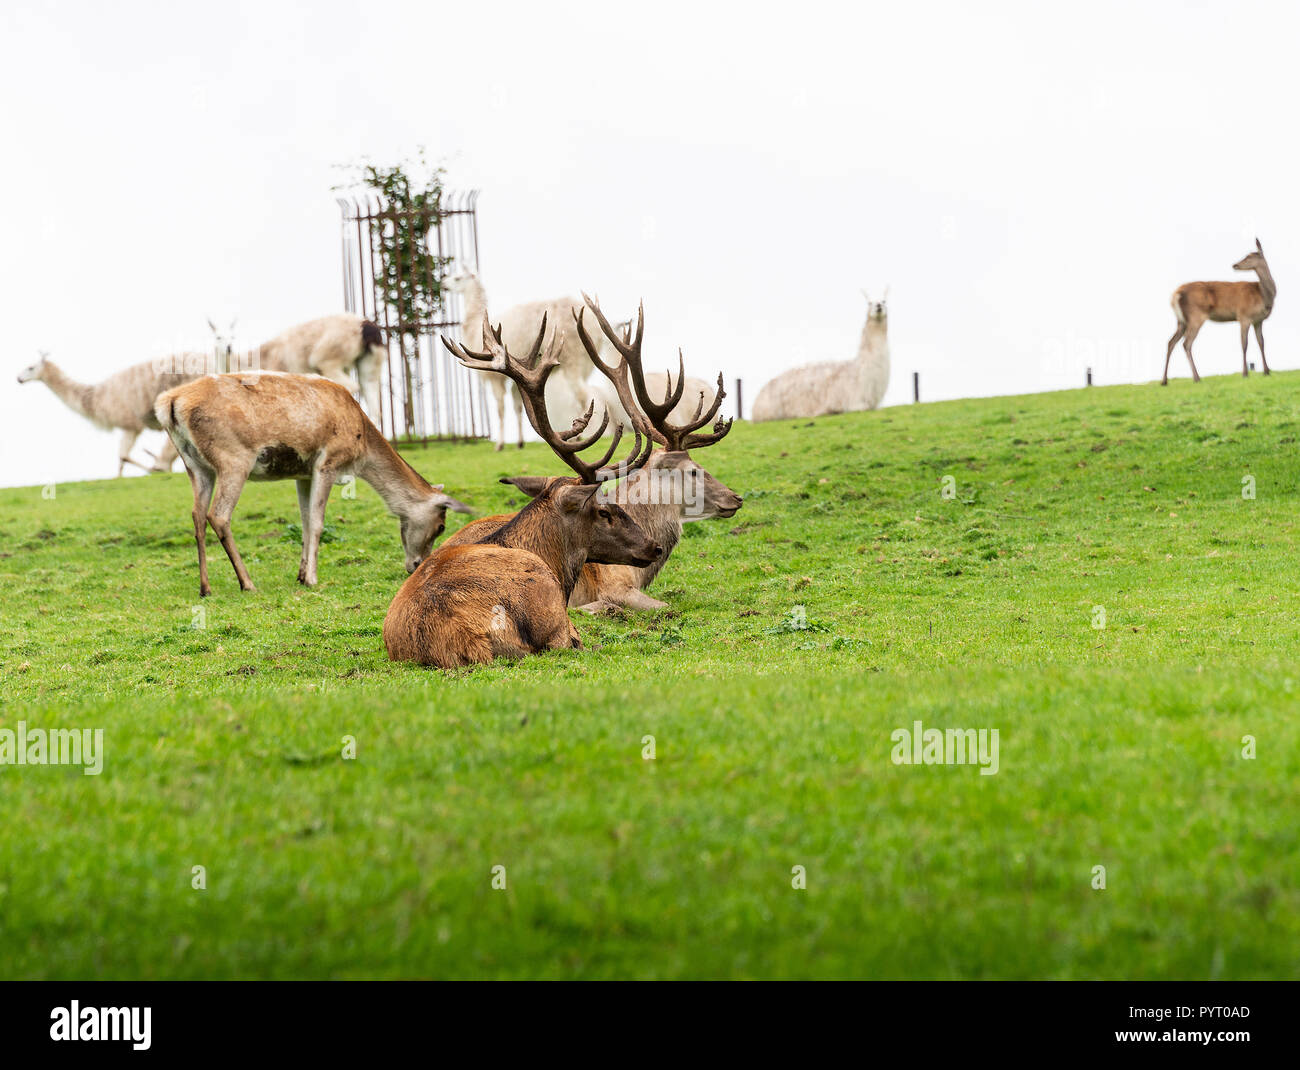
670	490
567	391
829	387
507	596
268	426
1247	303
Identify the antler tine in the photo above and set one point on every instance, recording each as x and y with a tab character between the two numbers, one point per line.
616	374
530	377
720	427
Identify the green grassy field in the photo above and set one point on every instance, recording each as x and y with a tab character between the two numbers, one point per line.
1120	746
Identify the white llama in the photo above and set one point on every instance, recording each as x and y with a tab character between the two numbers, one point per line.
567	393
833	386
124	401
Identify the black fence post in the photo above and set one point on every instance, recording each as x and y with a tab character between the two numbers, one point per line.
1089	383
916	387
740	401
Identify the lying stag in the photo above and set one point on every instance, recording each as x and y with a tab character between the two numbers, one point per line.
507	596
267	425
670	490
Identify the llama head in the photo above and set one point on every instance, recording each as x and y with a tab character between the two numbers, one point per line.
34	371
877	310
223	338
461	279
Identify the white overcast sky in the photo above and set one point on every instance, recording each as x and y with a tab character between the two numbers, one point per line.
1032	180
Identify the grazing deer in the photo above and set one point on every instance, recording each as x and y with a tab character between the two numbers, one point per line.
268	426
507	596
125	400
1247	303
670	490
830	387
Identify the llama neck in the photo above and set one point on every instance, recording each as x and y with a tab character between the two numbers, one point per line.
538	530
396	482
875	338
473	309
76	396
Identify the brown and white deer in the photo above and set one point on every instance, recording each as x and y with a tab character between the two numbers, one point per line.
258	425
672	489
507	596
1246	303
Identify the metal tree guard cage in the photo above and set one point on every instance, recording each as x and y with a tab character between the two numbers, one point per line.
425	394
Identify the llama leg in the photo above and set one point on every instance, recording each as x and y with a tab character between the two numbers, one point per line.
202	480
163	459
1245	340
368	371
231	486
1169	352
126	443
519	414
1259	337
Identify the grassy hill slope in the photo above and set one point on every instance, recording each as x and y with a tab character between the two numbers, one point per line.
1120	746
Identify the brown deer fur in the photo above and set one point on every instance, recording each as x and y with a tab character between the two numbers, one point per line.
1246	303
269	426
507	596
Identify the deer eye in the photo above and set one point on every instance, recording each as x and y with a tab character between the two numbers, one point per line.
606	515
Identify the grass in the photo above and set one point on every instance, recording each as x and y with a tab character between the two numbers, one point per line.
1120	746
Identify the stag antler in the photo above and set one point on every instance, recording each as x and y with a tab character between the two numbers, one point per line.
653	415
530	376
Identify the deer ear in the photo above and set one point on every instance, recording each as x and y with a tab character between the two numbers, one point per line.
448	502
1259	247
530	485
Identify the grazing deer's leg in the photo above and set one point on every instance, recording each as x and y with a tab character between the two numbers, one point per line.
304	514
203	481
1259	337
1245	340
321	485
1188	339
1169	352
231	486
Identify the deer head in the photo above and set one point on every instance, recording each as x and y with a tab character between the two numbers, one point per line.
584	516
1252	261
423	523
671	477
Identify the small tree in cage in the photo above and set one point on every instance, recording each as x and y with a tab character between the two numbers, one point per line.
409	279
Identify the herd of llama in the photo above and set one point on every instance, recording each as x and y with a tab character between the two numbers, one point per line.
351	351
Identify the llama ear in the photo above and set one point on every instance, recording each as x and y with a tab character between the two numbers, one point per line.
867	296
886	296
